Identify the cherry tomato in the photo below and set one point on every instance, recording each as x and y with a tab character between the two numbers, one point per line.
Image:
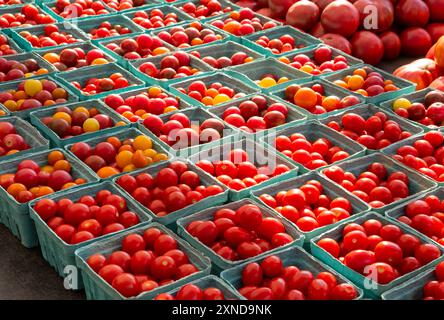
150	236
212	294
189	292
388	252
343	291
318	290
141	262
164	243
126	284
272	266
109	272
120	258
330	245
163	267
252	275
133	243
96	262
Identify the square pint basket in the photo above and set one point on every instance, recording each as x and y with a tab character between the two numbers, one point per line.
170	219
220	263
57	252
97	289
293	256
15	215
37	116
122	134
257	154
330	189
371	288
418	184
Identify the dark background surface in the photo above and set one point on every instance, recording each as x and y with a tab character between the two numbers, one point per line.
24	274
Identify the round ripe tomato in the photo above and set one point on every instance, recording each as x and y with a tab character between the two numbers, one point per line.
179	167
107	214
343	291
246	170
46	209
327	217
249	217
236	235
62	205
307	223
96	261
223	224
185	270
212	294
190	178
148	285
206	232
278	287
117	201
373	241
206	166
390	232
109	272
359	259
127	182
408	244
212	190
439	271
270	226
113	227
126	284
227	168
355	240
268	200
280	239
426	253
133	243
87	200
378	169
334	173
141	262
150	236
294	295
128	219
76	213
352	227
252	275
388	252
65	232
102	195
372	227
289	212
189	292
92	226
295	198
225	213
264	244
408	265
440	291
164	243
381	272
341	202
301	280
365	184
318	290
430	288
145	180
311	193
237	156
191	228
331	246
248	249
329	279
120	258
178	256
272	266
163	267
261	294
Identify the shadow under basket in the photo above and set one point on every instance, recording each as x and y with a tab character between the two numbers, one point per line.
15	215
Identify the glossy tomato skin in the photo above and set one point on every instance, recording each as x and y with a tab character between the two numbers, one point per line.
126	284
252	275
189	292
272	266
343	291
